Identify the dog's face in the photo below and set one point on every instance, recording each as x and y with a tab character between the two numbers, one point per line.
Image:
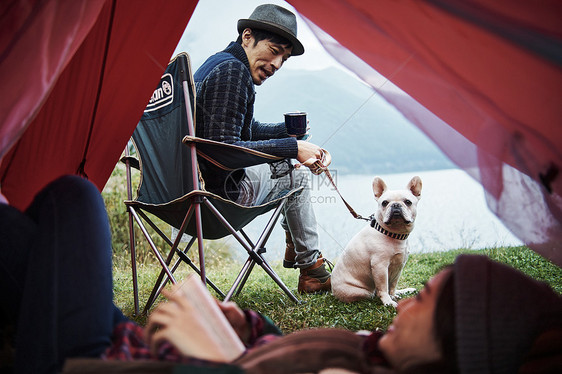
397	208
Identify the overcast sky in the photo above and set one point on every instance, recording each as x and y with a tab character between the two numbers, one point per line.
213	26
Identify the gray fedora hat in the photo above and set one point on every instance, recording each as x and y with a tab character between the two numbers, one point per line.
275	19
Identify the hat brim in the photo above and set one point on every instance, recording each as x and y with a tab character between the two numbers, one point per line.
298	48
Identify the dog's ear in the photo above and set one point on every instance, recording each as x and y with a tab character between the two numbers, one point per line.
378	187
415	186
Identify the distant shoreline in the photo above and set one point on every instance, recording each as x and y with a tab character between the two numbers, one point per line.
452	213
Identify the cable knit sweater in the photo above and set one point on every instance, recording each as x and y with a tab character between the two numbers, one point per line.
224	112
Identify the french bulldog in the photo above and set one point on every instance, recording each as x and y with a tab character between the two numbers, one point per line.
372	261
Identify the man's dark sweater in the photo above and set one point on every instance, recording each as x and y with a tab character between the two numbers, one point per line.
224	112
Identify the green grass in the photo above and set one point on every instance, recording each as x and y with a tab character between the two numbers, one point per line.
323	310
263	295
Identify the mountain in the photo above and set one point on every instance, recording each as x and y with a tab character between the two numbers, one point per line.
362	132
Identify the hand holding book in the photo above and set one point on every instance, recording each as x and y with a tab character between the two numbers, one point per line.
195	324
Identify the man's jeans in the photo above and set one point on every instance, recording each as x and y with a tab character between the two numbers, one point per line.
258	187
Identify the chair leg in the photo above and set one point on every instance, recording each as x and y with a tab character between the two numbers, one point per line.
246	276
165	275
261	244
132	244
183	257
253	250
245	273
166	272
134	264
199	229
155	251
246	269
241	279
265	266
161	283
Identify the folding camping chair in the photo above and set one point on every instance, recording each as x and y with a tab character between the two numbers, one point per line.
172	189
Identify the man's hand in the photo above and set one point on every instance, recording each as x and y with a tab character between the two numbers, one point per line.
307	150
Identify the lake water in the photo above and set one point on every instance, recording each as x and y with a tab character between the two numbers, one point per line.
452	213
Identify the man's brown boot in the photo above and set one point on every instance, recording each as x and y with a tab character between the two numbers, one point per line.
315	278
290	254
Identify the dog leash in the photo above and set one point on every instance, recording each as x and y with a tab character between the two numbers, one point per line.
320	165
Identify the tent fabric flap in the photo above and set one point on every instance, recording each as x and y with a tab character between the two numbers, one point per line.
482	79
82	101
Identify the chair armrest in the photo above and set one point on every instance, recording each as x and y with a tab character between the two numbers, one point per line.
228	156
133	161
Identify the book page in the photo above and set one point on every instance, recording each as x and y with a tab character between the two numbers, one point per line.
213	336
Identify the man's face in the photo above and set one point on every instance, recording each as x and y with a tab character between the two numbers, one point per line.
265	57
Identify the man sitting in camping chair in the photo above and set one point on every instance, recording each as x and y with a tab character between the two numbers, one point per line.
225	86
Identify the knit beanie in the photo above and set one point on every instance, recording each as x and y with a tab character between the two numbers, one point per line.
499	313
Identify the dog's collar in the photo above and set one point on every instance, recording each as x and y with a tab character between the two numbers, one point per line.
378	227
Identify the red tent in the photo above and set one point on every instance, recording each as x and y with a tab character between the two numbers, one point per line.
484	81
75	78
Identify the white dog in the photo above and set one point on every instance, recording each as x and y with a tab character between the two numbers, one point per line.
374	258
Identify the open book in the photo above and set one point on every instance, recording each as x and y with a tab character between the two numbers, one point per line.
213	337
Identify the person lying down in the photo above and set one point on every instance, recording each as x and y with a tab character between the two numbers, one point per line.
475	316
